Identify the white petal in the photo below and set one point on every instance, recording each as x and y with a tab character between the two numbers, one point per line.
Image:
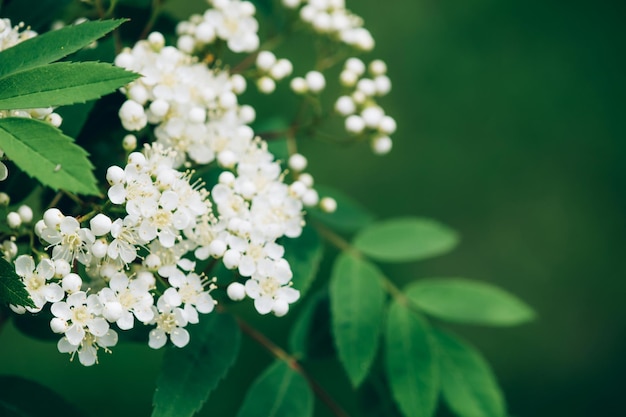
87	355
157	339
53	293
253	289
263	304
171	297
75	334
24	265
65	346
109	339
126	321
61	310
98	326
179	337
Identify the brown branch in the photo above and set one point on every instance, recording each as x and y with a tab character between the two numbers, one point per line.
293	363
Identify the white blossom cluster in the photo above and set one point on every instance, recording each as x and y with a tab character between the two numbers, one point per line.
362	112
232	21
195	109
271	70
12	35
330	17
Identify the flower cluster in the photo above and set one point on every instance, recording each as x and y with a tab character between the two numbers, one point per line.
330	17
271	70
363	114
229	20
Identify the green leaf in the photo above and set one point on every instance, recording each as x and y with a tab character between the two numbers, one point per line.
12	290
357	302
20	397
411	363
405	239
469	386
304	255
189	374
464	301
52	46
349	217
43	152
60	84
278	392
305	324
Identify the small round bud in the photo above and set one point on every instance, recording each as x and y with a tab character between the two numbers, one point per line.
9	249
298	189
115	175
217	248
266	85
366	86
238	83
4	199
54	119
387	125
308	13
227	158
61	268
26	213
228	100
231	259
315	81
53	217
247	114
71	283
354	124
297	162
299	85
197	115
328	204
152	262
58	325
159	107
322	22
138	93
348	78
359	97
129	143
226	177
383	85
156	40
381	145
345	106
281	69
132	115
372	116
378	67
236	291
14	220
265	60
99	248
306	179
205	32
291	4
186	44
310	198
280	308
39	226
355	65
100	224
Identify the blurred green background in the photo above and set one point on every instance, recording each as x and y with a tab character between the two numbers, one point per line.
511	130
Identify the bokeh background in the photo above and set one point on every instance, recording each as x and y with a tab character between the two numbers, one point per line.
511	130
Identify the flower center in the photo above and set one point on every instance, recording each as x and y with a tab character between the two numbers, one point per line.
269	286
166	322
80	315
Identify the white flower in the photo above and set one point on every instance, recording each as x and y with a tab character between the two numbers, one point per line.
36	282
125	299
271	289
79	316
170	321
88	348
193	295
69	241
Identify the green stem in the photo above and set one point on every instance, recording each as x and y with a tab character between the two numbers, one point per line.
154	15
293	363
343	245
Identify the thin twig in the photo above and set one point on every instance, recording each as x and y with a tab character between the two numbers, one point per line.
293	363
